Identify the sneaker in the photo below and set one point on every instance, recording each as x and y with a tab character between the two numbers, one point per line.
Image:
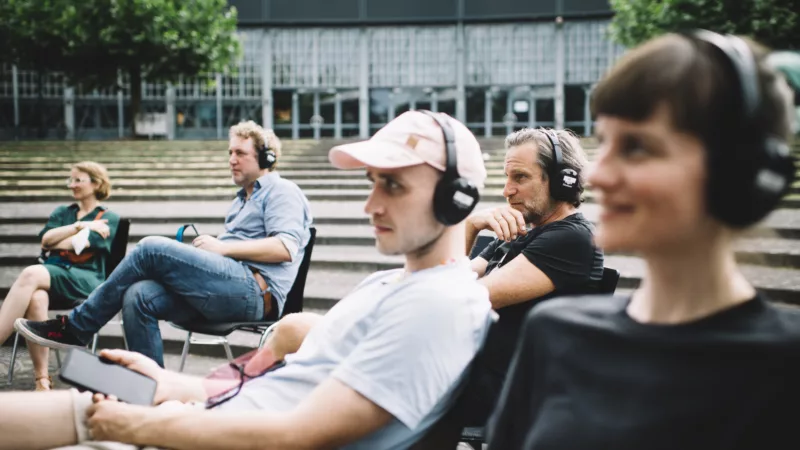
50	333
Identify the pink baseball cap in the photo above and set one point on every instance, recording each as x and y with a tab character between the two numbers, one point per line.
410	139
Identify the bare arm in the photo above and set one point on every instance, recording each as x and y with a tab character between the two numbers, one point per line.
331	416
472	235
269	250
59	237
479	266
506	223
516	282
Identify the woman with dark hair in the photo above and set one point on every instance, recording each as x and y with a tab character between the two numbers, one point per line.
693	133
78	240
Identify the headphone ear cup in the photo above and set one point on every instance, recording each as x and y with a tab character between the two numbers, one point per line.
266	158
563	187
454	200
742	193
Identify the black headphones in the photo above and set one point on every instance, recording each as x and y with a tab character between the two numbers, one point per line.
749	171
455	197
266	157
563	180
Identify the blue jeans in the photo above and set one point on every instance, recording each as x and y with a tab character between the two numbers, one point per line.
162	279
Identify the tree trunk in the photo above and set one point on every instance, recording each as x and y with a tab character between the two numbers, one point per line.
136	97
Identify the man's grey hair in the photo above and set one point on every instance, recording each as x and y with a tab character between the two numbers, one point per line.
571	150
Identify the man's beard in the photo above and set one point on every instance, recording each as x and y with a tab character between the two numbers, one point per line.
538	213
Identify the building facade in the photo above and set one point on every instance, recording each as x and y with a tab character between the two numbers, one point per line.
343	68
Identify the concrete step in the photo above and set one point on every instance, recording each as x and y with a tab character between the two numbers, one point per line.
27	196
774	252
58	169
783	223
119	175
781	284
327	234
212	194
207	181
324	287
299	164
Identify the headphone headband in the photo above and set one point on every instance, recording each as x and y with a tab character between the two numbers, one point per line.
563	181
451	159
749	170
455	197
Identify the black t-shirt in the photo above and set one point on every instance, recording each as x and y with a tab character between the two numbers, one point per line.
564	251
587	376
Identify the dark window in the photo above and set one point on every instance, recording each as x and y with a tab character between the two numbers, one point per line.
248	10
508	8
313	10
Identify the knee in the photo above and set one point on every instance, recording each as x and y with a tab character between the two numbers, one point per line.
289	333
153	244
34	276
135	301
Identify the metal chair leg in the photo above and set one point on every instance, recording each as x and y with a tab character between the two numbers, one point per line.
58	357
185	350
94	344
266	334
125	340
13	359
228	350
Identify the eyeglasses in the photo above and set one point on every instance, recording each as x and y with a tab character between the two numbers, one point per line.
225	396
71	181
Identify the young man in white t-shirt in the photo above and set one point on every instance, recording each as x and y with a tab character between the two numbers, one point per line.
375	373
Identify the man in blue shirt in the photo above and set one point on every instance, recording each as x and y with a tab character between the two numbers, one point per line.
241	275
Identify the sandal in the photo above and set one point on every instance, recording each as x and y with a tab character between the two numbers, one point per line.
41	385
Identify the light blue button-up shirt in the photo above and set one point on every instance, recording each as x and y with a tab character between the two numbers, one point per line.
276	208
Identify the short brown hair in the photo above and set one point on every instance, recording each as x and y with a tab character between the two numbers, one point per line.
696	83
261	138
571	151
99	175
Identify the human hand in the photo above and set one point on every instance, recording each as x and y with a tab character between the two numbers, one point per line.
109	420
506	222
100	227
209	243
145	366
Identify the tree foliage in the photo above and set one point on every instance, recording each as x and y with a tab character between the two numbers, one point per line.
93	41
775	23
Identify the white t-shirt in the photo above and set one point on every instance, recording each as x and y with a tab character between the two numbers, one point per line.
402	342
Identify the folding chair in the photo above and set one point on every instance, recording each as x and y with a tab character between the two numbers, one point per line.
221	330
474	436
119	246
480	243
608	284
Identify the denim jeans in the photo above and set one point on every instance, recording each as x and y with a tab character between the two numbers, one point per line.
162	279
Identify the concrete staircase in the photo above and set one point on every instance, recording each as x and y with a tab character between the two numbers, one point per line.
161	185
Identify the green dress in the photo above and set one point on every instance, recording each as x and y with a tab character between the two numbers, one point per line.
70	284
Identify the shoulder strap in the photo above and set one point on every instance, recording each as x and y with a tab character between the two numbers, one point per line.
102	211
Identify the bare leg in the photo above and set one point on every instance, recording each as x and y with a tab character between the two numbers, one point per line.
37	310
289	333
19	296
36	420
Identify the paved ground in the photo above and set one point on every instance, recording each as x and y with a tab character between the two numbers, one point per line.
24	380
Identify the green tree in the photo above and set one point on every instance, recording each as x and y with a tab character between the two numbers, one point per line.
775	23
93	41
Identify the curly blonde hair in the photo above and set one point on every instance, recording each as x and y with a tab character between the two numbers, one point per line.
99	175
261	138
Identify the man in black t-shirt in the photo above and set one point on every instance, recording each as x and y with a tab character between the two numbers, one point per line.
543	249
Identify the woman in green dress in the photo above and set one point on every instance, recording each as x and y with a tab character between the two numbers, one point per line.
70	272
